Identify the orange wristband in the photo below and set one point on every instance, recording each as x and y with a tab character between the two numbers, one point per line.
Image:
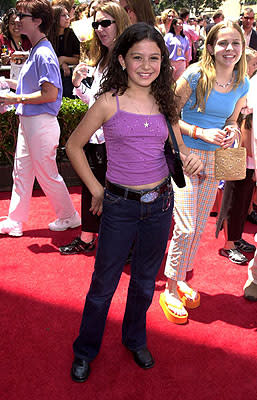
194	132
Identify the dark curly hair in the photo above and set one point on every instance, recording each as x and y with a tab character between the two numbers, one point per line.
116	80
5	23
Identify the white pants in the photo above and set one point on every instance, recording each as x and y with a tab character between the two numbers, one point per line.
35	156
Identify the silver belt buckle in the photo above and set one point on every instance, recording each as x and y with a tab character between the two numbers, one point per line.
149	197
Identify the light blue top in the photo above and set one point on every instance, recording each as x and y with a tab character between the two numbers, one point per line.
41	66
219	107
177	46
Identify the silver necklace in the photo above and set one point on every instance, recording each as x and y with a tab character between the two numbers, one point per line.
146	123
224	85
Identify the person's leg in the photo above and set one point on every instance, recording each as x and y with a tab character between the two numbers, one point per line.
42	134
117	232
97	159
192	207
23	178
238	195
177	260
151	241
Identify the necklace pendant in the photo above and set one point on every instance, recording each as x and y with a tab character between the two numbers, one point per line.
146	124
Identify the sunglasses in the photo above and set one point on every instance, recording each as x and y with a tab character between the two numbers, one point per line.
104	23
249	18
22	15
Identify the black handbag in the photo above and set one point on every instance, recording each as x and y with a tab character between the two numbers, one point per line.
173	159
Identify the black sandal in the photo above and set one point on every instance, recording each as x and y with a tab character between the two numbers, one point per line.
77	246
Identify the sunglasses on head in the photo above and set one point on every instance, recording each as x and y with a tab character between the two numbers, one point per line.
22	15
104	23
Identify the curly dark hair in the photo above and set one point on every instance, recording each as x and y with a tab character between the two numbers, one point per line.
116	80
5	23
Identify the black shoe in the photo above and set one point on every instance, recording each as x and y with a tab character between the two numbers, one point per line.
80	370
77	246
243	245
234	255
252	217
143	358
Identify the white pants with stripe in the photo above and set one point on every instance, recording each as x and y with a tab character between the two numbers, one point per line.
38	139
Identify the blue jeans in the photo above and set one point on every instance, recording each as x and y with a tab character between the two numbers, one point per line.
123	223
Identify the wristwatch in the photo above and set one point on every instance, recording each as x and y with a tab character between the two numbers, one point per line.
21	99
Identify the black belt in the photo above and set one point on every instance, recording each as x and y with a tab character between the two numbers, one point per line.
144	196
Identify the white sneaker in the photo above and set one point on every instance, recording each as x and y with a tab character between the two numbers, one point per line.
61	224
10	227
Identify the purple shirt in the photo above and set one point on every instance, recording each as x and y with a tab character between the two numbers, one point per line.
41	66
135	148
177	46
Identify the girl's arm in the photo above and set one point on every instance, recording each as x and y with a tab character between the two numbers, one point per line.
191	162
95	117
246	138
69	60
80	73
215	136
231	125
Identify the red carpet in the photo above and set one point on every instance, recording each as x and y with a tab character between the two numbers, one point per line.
213	357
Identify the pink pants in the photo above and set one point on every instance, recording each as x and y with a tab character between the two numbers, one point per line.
38	139
178	68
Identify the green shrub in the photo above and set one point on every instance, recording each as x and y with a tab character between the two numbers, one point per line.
70	114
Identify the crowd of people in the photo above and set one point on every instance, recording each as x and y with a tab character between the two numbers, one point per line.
137	72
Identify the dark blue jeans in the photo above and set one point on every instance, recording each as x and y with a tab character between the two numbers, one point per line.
124	222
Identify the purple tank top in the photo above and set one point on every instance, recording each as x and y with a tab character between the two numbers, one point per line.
135	148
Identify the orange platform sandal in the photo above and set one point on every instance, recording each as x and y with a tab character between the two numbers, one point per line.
170	313
186	296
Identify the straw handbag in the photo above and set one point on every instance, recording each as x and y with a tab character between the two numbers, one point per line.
230	164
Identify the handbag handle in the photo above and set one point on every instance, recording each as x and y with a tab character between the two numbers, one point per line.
172	138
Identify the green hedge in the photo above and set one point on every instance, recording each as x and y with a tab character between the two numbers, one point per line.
70	114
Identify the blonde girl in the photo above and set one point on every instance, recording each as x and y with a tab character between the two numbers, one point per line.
211	94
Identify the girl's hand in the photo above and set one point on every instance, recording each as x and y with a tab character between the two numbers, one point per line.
79	73
191	163
231	133
213	135
66	69
97	201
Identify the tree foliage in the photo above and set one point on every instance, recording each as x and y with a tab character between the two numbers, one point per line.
196	5
6	4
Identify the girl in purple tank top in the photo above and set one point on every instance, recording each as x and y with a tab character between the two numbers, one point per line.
137	202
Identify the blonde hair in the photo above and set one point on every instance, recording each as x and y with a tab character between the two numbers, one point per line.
165	13
97	51
207	64
250	53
